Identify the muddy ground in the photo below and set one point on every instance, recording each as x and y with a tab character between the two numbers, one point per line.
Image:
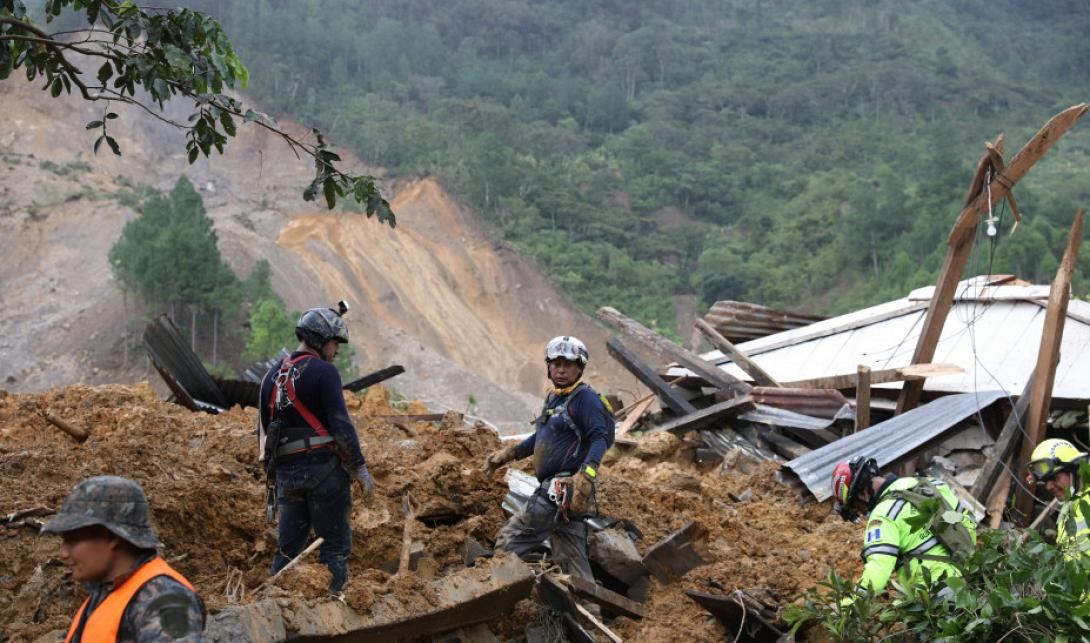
207	496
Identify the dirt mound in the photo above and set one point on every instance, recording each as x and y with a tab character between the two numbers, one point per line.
207	495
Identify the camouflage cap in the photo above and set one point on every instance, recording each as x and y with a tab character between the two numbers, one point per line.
116	503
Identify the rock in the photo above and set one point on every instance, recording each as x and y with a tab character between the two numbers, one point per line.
738	461
747	496
803	555
614	551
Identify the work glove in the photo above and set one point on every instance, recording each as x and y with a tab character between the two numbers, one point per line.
500	457
365	482
582	488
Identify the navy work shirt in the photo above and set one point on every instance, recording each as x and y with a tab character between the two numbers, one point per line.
319	389
558	446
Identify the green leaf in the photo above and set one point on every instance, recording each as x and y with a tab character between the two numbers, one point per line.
94	124
98	141
193	152
56	87
330	189
113	145
228	123
111	115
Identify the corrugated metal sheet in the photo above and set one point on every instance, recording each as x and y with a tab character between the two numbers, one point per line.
773	416
992	332
180	366
891	440
741	321
815	402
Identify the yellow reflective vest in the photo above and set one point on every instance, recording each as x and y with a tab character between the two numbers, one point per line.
891	544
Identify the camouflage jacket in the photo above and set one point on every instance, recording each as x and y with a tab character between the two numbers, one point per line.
163	610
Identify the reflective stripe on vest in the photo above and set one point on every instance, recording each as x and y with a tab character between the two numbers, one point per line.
105	621
285	385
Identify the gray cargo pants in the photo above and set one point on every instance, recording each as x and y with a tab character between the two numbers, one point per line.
526	532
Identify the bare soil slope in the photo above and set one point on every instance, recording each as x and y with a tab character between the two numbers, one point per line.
466	316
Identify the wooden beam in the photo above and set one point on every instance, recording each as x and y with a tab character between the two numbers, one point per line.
1048	357
656	342
738	357
1005	446
862	398
785	446
371	379
644	373
980	199
706	418
883	376
610	600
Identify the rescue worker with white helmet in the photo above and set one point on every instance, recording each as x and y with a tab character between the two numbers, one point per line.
1055	464
570	437
891	544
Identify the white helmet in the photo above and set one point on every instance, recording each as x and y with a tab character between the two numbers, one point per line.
567	347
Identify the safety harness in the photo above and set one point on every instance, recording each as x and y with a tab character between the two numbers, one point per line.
284	396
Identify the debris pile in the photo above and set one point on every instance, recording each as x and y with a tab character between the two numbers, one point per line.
205	485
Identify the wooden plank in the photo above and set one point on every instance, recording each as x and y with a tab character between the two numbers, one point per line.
980	199
711	373
1005	445
883	376
634	416
644	373
862	398
706	418
610	600
785	446
998	500
371	379
738	357
1048	357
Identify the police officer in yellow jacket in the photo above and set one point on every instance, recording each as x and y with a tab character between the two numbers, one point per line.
892	542
1055	464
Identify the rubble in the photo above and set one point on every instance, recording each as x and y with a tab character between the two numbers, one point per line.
202	478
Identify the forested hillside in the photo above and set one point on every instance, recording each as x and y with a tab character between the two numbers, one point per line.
803	153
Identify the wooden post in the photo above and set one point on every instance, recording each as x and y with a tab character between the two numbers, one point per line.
1005	445
961	236
1047	358
656	342
738	357
862	398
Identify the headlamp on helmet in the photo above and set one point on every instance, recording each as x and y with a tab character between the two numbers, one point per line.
849	479
319	325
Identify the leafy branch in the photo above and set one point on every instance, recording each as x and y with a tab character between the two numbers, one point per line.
166	54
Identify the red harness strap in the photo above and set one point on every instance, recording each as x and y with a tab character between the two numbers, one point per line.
285	384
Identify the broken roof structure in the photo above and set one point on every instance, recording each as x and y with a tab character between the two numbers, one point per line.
992	332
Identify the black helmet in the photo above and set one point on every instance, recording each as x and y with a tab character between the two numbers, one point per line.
116	503
319	325
849	478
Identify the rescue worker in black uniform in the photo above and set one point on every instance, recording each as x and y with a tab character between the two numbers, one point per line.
570	437
310	447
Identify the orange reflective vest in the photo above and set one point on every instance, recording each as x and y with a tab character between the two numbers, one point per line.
105	621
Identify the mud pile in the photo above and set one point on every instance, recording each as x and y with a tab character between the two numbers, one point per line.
206	490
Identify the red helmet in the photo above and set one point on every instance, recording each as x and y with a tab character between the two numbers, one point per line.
848	479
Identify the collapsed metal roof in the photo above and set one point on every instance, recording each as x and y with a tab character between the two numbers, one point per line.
993	332
889	441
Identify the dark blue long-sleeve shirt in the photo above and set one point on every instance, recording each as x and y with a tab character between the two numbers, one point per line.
558	448
319	389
